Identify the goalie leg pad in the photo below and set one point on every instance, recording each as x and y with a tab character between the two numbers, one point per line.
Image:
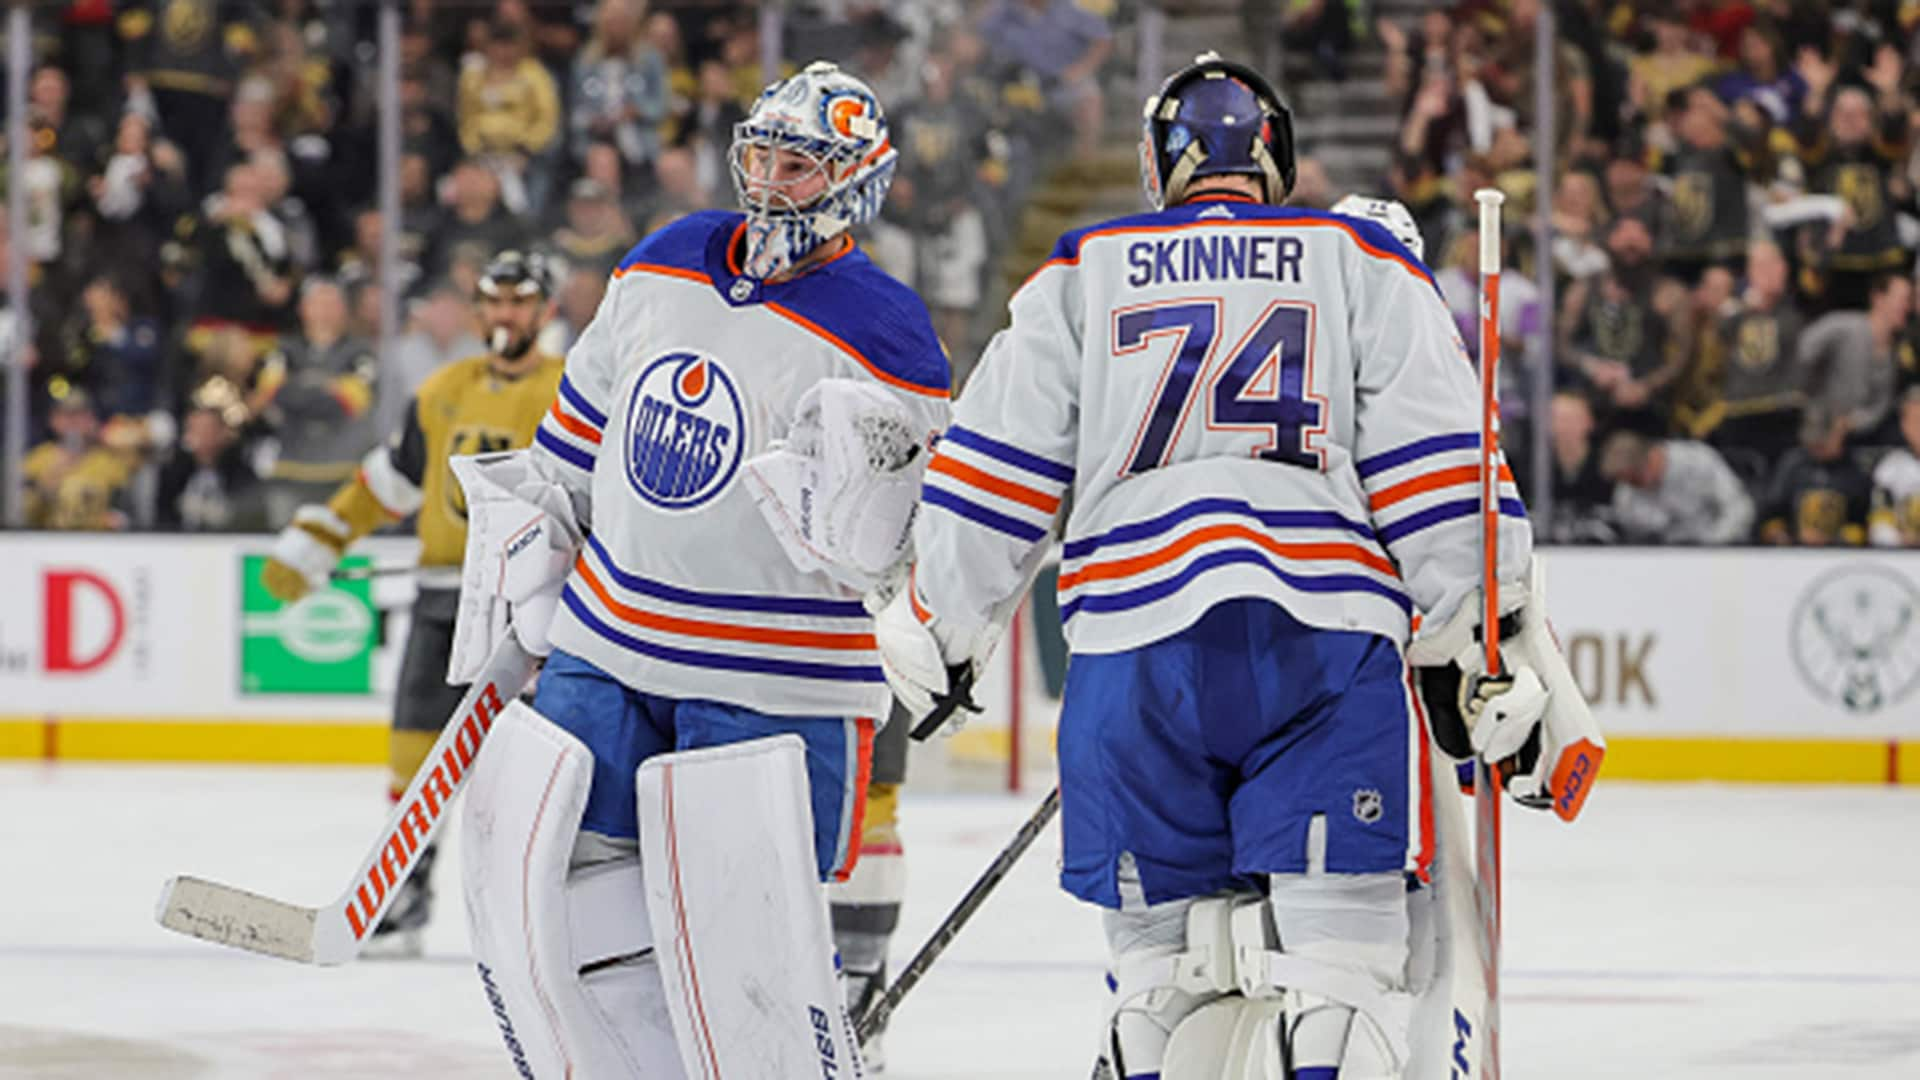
739	912
565	958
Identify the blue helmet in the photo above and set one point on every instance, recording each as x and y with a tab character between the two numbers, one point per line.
1211	118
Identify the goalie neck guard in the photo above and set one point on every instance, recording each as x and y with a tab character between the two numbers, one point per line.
810	161
1214	118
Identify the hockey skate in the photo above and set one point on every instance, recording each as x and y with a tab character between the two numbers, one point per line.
401	933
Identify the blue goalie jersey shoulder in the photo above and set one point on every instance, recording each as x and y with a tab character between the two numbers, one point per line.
681	244
880	321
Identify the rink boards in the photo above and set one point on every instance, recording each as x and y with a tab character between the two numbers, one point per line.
1748	664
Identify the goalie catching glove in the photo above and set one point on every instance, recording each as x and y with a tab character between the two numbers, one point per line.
522	538
1529	723
841	489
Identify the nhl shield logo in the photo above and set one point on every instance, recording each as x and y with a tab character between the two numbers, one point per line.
685	430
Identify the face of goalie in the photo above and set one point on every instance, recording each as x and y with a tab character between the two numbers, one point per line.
780	179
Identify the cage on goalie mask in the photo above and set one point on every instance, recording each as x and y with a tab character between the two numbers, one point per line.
834	173
1213	118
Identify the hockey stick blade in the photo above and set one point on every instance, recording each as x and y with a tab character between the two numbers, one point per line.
949	928
331	935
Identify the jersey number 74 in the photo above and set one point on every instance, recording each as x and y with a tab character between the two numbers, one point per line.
1263	386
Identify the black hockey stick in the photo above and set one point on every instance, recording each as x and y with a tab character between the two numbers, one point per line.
959	695
949	928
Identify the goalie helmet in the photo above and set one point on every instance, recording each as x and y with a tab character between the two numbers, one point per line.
1389	214
1213	118
810	161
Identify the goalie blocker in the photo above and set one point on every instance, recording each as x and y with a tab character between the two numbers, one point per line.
637	965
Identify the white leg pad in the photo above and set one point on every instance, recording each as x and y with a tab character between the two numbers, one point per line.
740	914
1448	977
535	927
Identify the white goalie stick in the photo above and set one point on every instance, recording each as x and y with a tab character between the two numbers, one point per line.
334	934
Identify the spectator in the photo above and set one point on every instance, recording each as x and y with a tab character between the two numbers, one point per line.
186	60
1818	496
1673	491
1707	223
677	189
1064	44
605	168
52	187
619	87
1852	140
509	116
74	481
1847	359
1620	330
440	330
579	298
1577	230
139	194
1763	77
707	127
80	137
208	485
422	218
320	385
1752	404
425	125
940	136
276	190
596	233
246	267
360	264
1676	61
113	352
476	225
1894	520
1582	498
250	120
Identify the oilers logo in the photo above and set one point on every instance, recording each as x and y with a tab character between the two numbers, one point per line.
685	430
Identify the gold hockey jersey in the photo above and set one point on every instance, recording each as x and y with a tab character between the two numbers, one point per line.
463	408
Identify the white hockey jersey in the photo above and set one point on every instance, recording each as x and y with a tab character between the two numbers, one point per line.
1895	518
686	370
1246	401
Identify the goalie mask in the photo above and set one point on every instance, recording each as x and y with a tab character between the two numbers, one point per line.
1215	118
810	161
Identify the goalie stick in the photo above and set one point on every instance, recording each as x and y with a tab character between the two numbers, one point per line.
334	934
949	928
1487	786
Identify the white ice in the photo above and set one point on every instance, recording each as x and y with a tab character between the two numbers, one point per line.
1675	932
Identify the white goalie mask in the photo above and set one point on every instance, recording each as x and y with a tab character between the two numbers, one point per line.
810	161
1388	214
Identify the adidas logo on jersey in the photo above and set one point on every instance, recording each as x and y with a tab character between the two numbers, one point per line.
1217	210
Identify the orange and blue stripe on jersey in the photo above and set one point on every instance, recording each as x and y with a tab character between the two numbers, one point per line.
995	484
1430	482
572	429
1163	554
766	634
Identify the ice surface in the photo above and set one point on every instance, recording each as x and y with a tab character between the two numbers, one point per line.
1675	932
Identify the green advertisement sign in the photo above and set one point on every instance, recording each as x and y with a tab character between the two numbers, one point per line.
322	644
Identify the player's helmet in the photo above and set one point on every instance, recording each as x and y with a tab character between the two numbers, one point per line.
1211	118
1390	214
831	119
516	273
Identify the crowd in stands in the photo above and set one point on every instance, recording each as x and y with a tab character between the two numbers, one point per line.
204	237
1734	340
1735	344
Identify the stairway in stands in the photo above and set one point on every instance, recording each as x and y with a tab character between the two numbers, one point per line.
1348	126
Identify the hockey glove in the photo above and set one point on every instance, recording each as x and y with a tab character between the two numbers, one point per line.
936	692
1531	723
304	554
840	491
521	542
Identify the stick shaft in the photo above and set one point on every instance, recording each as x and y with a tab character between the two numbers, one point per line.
949	928
1486	788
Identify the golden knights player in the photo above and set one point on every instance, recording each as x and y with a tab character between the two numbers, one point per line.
483	403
